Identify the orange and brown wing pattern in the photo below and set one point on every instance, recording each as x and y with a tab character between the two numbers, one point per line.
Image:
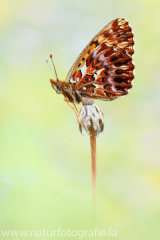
108	75
119	32
116	32
104	70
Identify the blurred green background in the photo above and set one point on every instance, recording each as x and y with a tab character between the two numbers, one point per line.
45	169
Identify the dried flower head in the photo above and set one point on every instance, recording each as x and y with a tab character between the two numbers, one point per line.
91	118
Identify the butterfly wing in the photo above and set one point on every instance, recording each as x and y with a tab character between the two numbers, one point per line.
104	70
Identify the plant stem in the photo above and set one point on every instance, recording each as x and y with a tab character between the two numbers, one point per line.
93	159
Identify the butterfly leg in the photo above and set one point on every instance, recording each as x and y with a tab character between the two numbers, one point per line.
75	106
75	109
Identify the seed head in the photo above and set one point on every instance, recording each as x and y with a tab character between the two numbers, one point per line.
91	118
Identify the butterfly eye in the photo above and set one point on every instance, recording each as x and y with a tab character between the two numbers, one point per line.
59	86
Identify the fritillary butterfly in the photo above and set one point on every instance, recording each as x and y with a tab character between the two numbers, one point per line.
104	69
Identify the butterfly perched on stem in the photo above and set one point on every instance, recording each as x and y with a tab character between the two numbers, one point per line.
104	69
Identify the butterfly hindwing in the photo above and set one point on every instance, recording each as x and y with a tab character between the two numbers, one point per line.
104	70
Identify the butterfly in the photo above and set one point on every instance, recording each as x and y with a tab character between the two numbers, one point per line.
104	69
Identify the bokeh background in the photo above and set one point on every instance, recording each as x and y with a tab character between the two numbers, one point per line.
45	168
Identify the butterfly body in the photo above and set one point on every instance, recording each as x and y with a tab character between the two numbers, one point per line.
104	69
68	91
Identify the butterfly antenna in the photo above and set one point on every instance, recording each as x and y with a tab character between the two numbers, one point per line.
53	65
50	68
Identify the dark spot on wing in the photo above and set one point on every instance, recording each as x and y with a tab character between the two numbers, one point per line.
119	71
103	79
87	79
118	64
106	67
96	43
120	80
120	88
106	34
114	59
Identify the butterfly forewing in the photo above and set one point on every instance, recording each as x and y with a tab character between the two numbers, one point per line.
104	70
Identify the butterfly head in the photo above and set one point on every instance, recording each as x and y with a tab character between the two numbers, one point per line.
56	85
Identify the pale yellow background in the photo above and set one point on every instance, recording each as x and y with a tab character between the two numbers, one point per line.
45	173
